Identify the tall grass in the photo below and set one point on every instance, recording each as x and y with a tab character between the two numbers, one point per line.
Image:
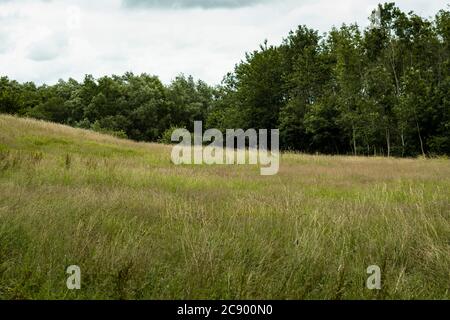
141	228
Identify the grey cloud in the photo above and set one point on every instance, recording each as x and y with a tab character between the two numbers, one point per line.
48	48
206	4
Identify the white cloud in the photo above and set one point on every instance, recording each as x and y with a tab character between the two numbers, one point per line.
49	40
47	45
179	4
4	42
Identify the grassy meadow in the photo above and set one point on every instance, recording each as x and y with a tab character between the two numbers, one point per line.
140	227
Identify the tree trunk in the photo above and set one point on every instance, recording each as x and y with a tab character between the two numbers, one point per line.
402	136
388	142
420	139
392	62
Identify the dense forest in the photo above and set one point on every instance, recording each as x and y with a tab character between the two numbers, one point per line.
384	90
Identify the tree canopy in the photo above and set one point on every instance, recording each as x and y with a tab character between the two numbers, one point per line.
384	90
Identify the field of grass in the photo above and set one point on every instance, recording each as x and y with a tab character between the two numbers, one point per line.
140	227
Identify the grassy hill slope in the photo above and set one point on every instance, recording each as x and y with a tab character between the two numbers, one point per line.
140	227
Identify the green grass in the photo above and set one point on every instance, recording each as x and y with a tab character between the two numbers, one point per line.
141	228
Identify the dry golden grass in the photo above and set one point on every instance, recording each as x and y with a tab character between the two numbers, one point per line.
141	228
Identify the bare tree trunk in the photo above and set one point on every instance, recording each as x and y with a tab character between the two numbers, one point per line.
403	143
392	61
388	142
354	140
420	139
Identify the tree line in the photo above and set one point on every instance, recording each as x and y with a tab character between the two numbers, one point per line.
384	90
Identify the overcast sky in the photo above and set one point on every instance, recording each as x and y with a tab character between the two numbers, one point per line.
45	40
